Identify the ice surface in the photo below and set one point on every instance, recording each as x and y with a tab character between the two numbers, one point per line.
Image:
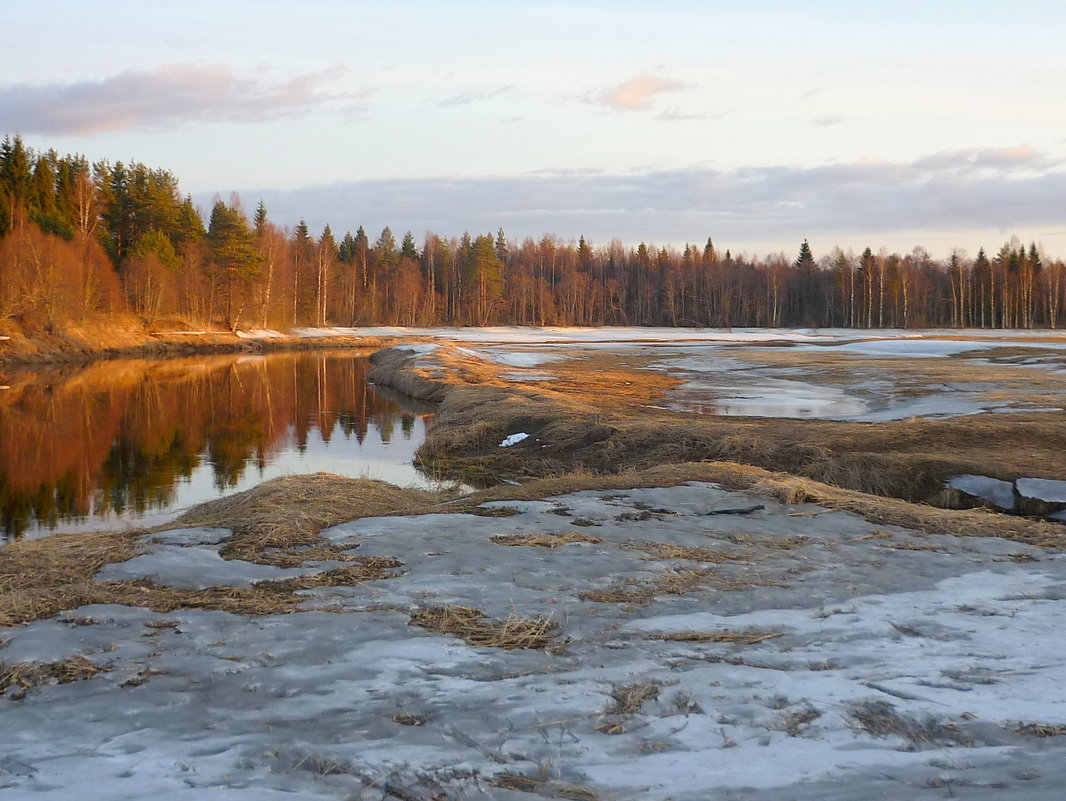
999	492
1042	489
194	568
204	704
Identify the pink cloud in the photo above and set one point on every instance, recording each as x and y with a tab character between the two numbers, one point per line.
636	93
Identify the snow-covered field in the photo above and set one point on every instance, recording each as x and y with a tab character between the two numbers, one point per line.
903	667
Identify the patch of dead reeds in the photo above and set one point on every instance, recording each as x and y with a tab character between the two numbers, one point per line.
749	637
677	581
629	699
471	626
555	540
25	676
546	788
277	522
880	719
660	550
74	587
39	578
1040	730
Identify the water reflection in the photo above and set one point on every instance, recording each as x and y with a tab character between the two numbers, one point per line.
136	439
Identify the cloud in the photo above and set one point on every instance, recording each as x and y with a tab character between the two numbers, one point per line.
167	96
466	98
996	158
636	93
865	200
675	115
827	120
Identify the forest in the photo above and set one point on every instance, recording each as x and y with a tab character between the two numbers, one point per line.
80	239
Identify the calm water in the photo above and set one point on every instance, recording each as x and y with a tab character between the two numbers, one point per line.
136	441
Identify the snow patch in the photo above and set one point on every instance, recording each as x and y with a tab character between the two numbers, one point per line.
1042	489
1001	493
513	439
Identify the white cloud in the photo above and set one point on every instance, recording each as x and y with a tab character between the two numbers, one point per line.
827	120
466	98
169	95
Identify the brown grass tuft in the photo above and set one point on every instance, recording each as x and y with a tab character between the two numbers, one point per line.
629	699
674	582
1040	730
659	550
544	540
39	578
542	787
473	627
25	676
277	522
880	719
723	636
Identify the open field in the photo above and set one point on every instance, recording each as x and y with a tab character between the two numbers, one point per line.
666	605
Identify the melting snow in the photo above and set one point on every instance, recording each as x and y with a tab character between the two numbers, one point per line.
1001	493
1042	489
204	703
513	439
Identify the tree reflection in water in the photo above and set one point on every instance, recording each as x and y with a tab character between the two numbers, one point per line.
123	439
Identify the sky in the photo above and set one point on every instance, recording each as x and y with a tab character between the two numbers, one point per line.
759	123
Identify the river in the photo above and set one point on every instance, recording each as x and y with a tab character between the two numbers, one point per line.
133	442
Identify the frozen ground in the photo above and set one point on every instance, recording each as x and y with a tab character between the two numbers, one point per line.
904	666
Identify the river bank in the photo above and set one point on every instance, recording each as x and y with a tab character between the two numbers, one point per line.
127	337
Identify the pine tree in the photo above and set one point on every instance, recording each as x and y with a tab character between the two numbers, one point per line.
231	247
408	249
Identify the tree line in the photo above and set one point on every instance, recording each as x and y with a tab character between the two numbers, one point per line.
79	239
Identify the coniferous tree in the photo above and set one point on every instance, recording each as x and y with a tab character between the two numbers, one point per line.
231	248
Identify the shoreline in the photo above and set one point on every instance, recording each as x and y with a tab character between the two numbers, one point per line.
23	352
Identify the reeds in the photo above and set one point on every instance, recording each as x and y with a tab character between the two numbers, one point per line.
471	626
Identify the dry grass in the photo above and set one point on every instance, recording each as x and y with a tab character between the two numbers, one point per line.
621	593
44	577
659	550
880	719
25	676
546	788
277	522
39	578
724	636
407	719
629	699
471	626
674	582
544	540
1040	730
768	542
796	723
